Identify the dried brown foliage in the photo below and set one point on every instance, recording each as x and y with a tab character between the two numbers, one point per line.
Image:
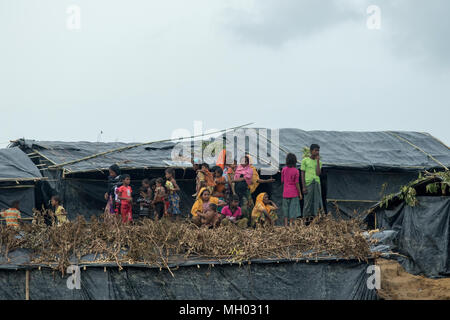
160	243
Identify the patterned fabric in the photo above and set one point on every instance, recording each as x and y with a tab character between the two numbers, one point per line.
313	200
12	217
174	203
260	210
246	172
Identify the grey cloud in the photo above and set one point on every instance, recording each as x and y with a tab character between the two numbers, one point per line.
413	29
419	29
278	21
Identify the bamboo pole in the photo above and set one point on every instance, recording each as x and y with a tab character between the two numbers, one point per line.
139	145
27	285
40	154
418	148
17	180
347	200
15	187
441	142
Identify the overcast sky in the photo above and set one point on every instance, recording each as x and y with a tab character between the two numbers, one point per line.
140	69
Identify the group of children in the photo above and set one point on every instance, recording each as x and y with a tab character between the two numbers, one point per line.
234	185
56	216
156	197
223	194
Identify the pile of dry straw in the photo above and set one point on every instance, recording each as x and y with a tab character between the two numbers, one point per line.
156	243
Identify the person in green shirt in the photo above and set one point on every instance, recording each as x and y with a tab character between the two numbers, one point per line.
311	169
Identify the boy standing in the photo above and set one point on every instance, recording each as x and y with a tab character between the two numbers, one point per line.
311	170
124	194
60	212
12	215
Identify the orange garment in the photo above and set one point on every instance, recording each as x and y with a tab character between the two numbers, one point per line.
220	185
221	159
12	216
209	178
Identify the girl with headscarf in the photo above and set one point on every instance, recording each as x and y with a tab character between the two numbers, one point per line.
264	210
201	204
242	180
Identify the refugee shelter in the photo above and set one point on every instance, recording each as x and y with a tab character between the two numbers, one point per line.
19	177
358	167
78	171
418	219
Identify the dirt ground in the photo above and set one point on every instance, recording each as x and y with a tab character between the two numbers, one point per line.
397	284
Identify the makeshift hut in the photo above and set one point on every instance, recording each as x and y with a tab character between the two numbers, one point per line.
418	221
358	167
81	181
18	179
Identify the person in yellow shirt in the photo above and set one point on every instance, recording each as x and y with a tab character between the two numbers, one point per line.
264	210
201	205
12	215
60	212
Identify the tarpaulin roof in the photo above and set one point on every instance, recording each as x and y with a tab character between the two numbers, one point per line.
58	152
15	165
351	149
383	149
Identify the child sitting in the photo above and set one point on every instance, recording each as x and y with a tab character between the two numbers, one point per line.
232	212
210	217
60	212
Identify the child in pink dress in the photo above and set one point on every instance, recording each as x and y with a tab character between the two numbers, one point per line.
291	190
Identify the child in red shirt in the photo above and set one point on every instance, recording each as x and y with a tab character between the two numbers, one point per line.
124	193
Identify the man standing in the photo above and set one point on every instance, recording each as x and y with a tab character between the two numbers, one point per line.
311	169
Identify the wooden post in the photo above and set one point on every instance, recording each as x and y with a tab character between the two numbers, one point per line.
27	285
375	219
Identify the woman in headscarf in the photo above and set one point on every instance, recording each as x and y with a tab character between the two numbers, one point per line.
201	204
264	210
242	180
255	177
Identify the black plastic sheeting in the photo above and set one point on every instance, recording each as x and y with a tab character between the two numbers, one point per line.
24	195
423	235
361	188
363	150
331	280
15	164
